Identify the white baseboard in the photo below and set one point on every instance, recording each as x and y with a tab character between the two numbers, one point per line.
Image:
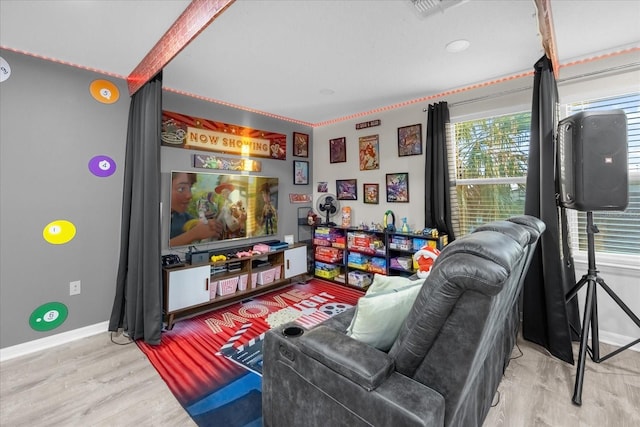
52	341
76	334
617	340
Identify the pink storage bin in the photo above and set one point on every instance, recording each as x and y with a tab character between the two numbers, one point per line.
242	282
254	280
213	289
227	286
277	272
265	277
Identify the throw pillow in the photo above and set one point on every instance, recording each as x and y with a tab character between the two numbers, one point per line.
383	283
379	316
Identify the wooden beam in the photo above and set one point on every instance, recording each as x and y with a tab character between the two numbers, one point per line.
547	32
195	18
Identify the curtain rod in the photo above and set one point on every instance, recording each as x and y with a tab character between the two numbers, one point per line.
560	81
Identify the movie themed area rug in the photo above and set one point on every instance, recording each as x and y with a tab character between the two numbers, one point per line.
213	362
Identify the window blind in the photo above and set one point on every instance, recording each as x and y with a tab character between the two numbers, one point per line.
490	164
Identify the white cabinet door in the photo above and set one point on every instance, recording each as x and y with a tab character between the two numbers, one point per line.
295	261
188	287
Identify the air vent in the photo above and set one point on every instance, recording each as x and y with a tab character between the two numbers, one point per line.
429	7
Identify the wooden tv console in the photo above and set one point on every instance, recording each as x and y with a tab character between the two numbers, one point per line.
191	289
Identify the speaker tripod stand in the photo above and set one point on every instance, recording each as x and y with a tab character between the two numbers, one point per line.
591	313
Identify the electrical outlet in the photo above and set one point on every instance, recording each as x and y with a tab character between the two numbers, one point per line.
74	288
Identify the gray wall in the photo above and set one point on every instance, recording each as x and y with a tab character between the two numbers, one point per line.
50	127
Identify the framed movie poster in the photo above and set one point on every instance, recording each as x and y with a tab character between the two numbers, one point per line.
371	193
338	150
300	172
300	144
410	140
369	153
398	187
347	189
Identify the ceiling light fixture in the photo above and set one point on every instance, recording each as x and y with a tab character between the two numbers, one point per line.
457	46
429	7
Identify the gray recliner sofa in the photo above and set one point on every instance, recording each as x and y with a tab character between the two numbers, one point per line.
446	363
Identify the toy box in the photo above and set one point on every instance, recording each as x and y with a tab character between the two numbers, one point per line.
328	254
327	271
357	258
401	263
339	242
359	279
378	265
419	243
401	243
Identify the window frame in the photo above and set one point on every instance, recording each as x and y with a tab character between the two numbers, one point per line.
620	261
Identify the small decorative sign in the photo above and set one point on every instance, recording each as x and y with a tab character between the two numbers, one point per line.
369	124
226	163
196	133
300	198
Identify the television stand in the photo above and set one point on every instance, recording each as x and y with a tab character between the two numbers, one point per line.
198	288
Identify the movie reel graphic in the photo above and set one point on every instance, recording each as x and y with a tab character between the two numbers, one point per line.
334	308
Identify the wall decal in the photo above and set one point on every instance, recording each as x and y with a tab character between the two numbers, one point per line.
104	91
48	316
102	166
59	232
5	69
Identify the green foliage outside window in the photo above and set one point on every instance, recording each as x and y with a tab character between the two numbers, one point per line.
491	168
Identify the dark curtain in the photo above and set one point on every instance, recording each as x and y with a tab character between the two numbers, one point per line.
137	307
546	317
437	206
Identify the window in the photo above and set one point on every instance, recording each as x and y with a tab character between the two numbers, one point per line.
619	231
489	160
490	163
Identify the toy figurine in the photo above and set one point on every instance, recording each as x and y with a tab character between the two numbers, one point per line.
405	226
424	259
268	211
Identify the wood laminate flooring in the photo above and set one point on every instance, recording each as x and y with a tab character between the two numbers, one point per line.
94	382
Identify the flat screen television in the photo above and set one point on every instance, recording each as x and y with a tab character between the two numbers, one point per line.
210	207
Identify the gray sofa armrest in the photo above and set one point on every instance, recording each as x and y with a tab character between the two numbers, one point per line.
361	363
335	380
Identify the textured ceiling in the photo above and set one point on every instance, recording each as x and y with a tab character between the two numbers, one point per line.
316	61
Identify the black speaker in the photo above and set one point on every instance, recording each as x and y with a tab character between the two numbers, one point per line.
593	161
